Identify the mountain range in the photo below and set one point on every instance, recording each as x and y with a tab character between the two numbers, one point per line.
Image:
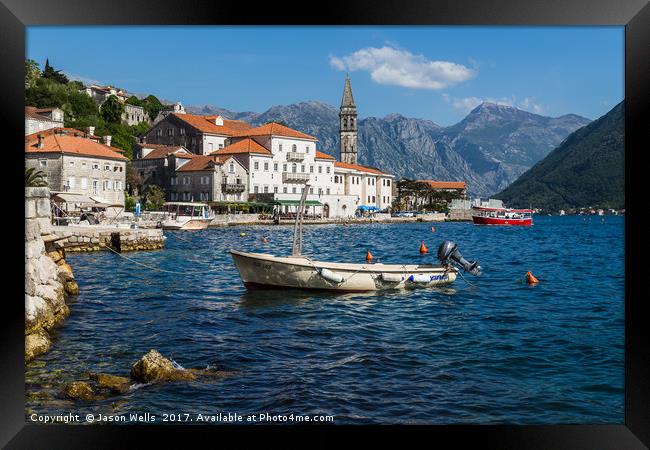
586	170
489	149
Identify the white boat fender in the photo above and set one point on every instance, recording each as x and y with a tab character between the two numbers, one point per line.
330	276
420	278
392	277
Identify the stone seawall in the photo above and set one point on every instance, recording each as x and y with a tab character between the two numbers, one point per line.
48	278
95	238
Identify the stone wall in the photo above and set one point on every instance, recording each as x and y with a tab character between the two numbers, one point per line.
234	219
48	278
95	238
460	214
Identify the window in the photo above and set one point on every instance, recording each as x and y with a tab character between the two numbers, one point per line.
373	199
186	180
83	164
107	185
84	183
336	178
71	182
170	132
174	181
293	189
205	180
174	196
119	185
256	189
311	190
320	169
284	189
266	167
302	168
320	191
328	169
256	165
280	147
294	147
231	167
181	131
294	167
220	145
159	132
275	167
95	186
107	167
115	185
387	182
266	189
307	149
71	163
311	169
42	162
368	199
275	190
328	191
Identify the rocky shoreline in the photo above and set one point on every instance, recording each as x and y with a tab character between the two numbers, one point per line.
49	279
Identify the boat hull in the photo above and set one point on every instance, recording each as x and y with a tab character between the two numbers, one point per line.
191	224
479	220
263	271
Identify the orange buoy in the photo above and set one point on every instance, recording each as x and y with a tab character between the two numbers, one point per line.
423	248
530	278
369	256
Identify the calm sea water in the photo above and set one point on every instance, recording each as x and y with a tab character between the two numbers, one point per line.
499	351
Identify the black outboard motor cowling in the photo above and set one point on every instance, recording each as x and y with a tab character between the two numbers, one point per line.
448	253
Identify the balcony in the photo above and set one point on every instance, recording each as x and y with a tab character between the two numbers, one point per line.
295	156
293	177
233	187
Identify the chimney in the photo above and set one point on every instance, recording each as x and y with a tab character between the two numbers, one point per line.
107	140
90	131
40	141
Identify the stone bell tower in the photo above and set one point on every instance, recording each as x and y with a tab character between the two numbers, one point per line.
348	126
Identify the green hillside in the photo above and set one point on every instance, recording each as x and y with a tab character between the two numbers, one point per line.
586	170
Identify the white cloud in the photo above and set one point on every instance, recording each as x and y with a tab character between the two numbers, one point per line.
469	103
393	66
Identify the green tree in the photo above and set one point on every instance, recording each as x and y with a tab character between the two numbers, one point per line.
112	110
34	178
54	75
129	202
32	72
155	198
152	105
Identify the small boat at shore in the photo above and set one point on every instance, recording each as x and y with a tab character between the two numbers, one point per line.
266	271
186	216
482	215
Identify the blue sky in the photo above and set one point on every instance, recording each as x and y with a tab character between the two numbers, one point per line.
436	73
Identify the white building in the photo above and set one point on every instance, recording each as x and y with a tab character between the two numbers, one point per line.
41	119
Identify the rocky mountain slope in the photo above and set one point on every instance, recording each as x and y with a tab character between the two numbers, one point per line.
587	169
488	149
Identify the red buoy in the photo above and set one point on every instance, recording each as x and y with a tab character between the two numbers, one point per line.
423	248
530	278
369	256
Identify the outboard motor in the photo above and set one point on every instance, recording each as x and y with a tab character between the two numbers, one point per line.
448	254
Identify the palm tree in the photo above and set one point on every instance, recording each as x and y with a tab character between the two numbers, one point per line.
34	178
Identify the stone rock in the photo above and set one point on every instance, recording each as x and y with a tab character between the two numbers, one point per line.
55	255
37	313
79	390
64	271
71	287
30	209
45	225
36	344
114	383
34	248
32	230
153	367
43	207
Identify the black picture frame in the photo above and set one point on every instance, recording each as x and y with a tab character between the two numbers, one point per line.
15	15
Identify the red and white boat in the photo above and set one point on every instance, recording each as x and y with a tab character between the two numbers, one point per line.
482	215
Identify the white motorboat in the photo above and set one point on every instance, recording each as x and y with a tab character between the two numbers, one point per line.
265	271
186	216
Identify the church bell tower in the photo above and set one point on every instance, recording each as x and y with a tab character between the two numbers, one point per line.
348	126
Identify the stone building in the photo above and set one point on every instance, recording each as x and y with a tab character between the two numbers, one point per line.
348	131
134	115
167	110
201	135
73	163
419	194
210	178
41	119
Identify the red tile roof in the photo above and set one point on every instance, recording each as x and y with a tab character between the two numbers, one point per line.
359	168
444	184
202	162
205	124
321	155
69	141
275	129
159	151
32	112
244	146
